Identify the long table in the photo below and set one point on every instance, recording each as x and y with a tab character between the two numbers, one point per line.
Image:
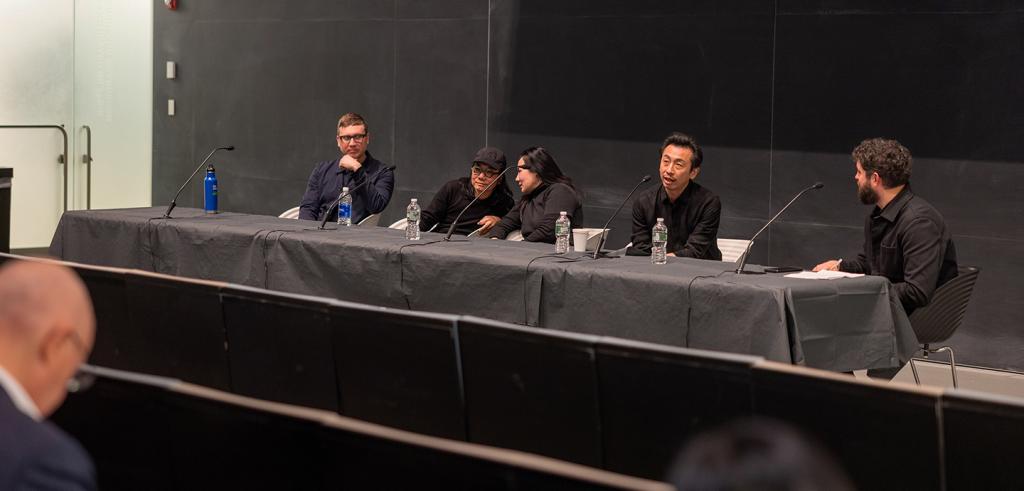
842	325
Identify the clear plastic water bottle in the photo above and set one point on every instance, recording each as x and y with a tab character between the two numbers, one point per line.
345	208
412	218
659	240
562	231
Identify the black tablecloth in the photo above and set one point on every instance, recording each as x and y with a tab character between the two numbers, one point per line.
843	324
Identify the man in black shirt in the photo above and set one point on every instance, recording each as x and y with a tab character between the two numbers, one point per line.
495	200
905	238
691	211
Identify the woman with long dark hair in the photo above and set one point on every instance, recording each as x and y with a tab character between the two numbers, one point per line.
546	193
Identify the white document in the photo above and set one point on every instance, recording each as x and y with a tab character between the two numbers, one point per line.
823	275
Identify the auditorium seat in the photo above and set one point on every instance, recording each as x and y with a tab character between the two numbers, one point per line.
279	347
398	368
887	435
655	397
176	329
980	435
531	389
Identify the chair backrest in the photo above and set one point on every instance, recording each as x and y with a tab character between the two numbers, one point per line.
400	224
732	249
937	321
290	213
370	221
515	235
533	390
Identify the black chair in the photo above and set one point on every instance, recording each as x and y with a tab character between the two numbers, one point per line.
979	430
654	398
398	368
887	436
175	329
937	321
279	347
531	389
107	288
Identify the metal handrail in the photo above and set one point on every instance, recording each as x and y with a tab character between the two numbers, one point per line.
87	160
61	159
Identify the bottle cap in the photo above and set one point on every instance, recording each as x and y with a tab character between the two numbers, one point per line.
564	213
413	200
344	189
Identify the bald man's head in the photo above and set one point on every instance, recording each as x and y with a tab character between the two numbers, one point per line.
47	328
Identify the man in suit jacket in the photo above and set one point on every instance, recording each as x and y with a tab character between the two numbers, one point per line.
46	331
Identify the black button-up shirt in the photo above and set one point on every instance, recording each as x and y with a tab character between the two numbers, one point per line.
328	178
692	221
456	195
535	214
908	243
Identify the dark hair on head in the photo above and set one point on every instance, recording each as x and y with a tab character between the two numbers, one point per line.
538	160
888	158
352	119
683	140
756	454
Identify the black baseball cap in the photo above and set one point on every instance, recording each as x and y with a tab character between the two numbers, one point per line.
492	157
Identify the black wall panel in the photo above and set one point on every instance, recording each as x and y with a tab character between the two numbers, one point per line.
778	91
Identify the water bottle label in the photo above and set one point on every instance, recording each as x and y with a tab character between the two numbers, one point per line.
413	216
660	236
345	210
561	228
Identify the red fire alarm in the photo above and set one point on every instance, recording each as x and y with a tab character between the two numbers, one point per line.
171	4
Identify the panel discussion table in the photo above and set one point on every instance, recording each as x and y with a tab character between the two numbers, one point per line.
843	325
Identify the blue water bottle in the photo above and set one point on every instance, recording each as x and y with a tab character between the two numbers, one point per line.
210	185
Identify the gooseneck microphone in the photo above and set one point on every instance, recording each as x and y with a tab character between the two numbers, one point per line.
604	229
743	257
174	202
350	191
451	228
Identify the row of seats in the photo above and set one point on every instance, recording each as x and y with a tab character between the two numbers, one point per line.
608	403
148	432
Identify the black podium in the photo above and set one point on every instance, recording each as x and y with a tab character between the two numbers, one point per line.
6	176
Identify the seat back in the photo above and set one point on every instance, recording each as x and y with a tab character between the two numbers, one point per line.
370	221
516	235
732	249
400	224
533	390
292	213
653	398
937	321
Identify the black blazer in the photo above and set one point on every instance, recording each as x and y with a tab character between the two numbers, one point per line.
36	455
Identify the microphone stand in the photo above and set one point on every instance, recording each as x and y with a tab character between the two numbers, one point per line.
743	257
604	230
451	229
174	202
341	196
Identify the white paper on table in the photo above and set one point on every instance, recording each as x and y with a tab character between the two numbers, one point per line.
823	275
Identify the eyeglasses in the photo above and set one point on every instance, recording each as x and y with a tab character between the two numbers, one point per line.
347	138
484	171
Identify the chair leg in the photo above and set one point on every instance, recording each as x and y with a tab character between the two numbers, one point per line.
913	368
952	363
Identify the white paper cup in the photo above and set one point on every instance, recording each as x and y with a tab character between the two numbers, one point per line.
579	240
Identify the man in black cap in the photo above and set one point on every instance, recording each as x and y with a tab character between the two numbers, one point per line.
495	198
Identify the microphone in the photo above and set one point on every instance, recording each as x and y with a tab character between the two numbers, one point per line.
743	257
451	229
174	202
604	229
350	191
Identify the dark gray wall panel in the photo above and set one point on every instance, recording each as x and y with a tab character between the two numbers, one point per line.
777	92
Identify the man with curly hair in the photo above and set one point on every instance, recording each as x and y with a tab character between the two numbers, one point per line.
905	237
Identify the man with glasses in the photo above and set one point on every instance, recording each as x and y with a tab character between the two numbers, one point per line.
352	169
47	330
495	198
